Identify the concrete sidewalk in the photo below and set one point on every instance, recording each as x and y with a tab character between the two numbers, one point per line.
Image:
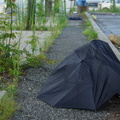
25	36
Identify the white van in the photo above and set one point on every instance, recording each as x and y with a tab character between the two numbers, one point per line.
92	3
105	5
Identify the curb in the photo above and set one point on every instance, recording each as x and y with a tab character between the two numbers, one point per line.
104	13
102	36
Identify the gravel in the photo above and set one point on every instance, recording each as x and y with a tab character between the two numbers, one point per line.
33	109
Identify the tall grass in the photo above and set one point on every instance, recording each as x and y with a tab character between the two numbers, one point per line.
41	18
10	50
112	9
115	9
20	15
10	53
7	107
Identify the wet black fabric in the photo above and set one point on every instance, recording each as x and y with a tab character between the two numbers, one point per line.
86	78
75	18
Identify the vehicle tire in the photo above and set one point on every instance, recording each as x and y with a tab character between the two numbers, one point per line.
106	9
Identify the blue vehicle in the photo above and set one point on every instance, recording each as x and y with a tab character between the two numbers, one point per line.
81	2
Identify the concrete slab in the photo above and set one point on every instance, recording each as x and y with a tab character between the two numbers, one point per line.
2	93
25	36
102	36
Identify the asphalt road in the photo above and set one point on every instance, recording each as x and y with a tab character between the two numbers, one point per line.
110	24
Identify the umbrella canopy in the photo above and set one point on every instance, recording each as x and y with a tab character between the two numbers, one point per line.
86	78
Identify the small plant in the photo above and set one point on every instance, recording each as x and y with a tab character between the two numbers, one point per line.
7	107
88	23
11	89
34	42
10	54
36	61
89	31
114	9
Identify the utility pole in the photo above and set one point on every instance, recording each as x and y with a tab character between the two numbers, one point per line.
48	7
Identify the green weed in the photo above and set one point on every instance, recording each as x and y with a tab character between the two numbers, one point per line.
7	107
10	53
89	31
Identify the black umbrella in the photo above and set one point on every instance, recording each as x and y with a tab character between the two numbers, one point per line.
75	18
86	78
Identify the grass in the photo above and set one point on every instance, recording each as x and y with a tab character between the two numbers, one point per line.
7	104
7	82
89	31
7	107
55	32
111	9
9	79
